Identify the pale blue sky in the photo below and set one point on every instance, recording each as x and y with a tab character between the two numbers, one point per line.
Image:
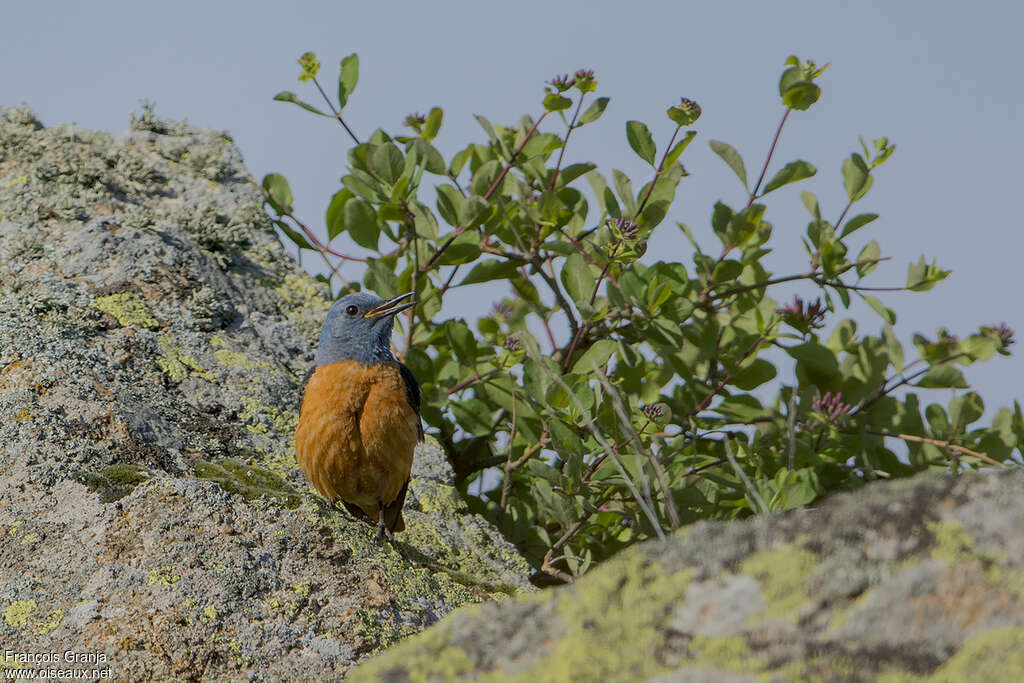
940	79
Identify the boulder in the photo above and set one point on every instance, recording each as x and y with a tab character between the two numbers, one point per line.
919	579
154	335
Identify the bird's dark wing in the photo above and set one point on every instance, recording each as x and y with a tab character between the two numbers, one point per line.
413	393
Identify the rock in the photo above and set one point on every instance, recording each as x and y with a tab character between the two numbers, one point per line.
918	579
153	337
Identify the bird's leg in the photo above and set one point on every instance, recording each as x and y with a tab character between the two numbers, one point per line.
382	528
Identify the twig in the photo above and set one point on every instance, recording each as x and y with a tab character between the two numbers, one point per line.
337	114
462	385
565	142
746	480
657	174
707	399
940	444
767	160
670	504
645	507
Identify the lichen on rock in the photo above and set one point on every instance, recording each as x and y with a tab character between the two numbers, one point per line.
153	338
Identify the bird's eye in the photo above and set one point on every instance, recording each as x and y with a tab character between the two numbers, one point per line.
352	310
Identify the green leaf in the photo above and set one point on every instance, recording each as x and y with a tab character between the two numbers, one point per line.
677	151
639	137
555	102
574	171
810	200
361	223
423	220
624	187
921	276
816	357
963	410
335	216
348	79
856	177
294	236
876	304
387	162
790	173
943	377
459	161
870	251
433	123
465	249
431	159
485	271
741	407
598	355
576	277
288	96
449	203
754	375
594	111
857	222
279	193
731	157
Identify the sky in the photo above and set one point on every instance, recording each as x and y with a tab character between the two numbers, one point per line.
940	79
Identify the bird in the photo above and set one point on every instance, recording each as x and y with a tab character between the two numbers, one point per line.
359	421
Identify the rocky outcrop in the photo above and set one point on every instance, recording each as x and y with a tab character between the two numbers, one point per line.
153	335
920	579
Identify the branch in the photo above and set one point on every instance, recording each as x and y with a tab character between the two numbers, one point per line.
707	399
941	444
460	229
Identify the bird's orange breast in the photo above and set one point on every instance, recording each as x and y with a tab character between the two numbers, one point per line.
357	433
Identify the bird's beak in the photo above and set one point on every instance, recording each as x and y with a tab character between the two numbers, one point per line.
391	307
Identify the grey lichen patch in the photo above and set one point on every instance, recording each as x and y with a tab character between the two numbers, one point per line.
115	482
248	481
128	308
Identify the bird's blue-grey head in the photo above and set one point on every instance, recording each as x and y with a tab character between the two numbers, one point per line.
358	327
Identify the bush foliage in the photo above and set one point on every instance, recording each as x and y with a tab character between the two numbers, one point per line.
644	415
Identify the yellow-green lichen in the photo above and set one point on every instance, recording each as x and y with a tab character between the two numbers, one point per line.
18	612
128	308
29	538
176	364
994	655
209	613
627	601
18	180
429	656
248	481
301	294
725	653
164	576
782	573
13	528
953	544
114	482
51	622
267	417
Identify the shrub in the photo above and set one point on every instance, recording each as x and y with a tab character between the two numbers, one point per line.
644	415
